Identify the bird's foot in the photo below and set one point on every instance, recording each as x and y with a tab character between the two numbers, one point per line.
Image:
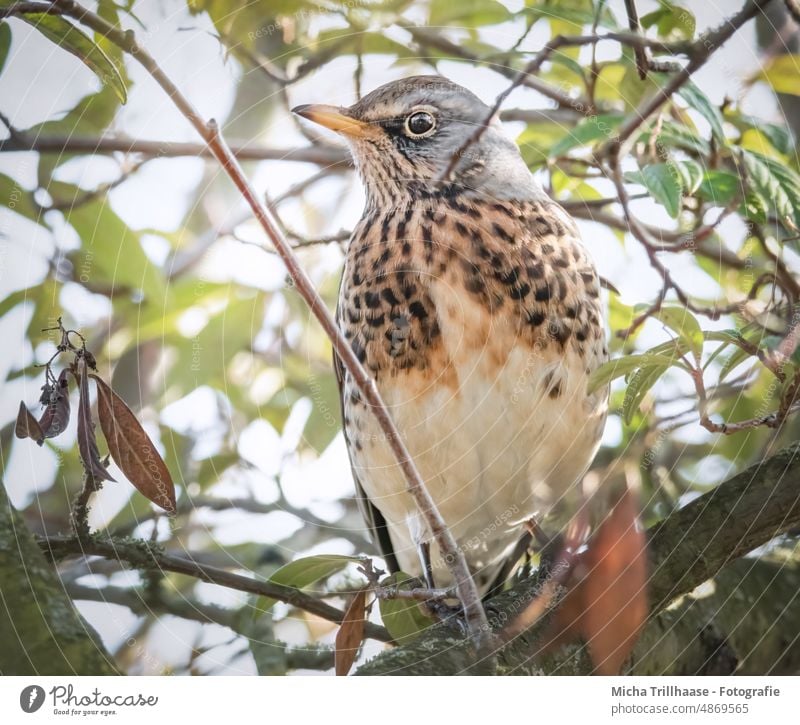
453	614
549	546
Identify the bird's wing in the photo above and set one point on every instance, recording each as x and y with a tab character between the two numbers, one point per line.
373	518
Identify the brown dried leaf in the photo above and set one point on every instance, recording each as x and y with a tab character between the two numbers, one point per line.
606	604
87	444
351	633
132	449
615	588
55	418
27	426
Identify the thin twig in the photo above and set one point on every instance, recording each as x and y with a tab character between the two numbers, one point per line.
640	53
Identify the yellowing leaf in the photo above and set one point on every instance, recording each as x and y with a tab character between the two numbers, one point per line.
783	74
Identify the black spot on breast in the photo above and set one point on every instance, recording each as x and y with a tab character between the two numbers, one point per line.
417	309
542	225
536	318
535	271
503	233
381	261
543	293
372	300
388	294
518	293
511	277
475	284
504	209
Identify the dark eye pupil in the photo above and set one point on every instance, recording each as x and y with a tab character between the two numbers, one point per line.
420	123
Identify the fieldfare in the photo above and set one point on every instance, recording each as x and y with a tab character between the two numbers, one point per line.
475	306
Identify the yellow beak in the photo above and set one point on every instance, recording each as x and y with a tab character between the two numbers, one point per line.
333	118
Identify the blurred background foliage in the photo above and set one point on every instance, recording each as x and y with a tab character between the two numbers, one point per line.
113	218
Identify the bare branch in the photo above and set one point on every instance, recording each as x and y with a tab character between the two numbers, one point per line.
327	156
144	555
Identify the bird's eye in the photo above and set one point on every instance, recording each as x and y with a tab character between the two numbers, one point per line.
420	123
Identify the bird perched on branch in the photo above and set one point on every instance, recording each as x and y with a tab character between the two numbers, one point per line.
473	303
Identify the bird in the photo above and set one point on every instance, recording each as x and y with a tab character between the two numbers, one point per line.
475	307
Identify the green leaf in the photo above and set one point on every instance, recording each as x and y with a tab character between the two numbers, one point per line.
302	573
779	136
685	325
5	43
719	187
470	13
754	207
625	365
660	180
788	181
698	100
678	136
691	175
72	39
403	618
736	358
671	18
15	198
777	185
111	255
640	383
783	74
537	140
577	14
587	131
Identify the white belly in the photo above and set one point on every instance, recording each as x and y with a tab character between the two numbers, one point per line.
491	444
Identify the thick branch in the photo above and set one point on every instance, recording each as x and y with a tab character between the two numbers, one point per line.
688	548
40	630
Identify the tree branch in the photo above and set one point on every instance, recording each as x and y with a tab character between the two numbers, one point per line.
327	156
144	555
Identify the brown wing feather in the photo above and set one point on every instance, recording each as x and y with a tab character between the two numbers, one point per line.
372	517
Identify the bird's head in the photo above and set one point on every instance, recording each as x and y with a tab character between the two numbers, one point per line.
404	135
